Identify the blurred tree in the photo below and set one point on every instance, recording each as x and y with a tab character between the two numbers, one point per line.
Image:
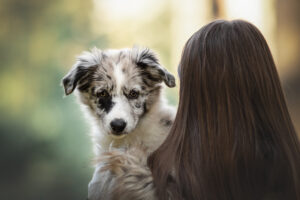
45	153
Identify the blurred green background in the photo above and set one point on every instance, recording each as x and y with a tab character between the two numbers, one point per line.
45	149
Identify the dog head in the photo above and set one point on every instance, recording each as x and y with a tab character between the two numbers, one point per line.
118	86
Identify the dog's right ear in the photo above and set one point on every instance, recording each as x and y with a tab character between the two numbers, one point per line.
86	63
70	81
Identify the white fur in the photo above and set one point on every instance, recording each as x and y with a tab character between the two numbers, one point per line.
148	132
119	78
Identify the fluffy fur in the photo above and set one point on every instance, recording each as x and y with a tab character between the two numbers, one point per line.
121	92
122	175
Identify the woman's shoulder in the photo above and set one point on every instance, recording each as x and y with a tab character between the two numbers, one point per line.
122	174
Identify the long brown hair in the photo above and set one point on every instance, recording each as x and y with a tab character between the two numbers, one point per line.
233	137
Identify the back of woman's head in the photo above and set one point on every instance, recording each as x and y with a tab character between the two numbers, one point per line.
232	137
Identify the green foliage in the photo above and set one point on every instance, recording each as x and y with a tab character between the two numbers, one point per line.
45	151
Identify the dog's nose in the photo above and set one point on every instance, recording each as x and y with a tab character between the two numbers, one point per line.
118	125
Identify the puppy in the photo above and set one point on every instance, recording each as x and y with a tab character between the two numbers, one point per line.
121	93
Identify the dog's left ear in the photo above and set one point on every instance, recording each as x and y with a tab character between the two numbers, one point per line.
152	70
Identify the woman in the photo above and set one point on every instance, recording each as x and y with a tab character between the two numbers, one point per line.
232	137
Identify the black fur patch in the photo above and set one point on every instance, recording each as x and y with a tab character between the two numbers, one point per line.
85	83
106	103
150	71
145	108
146	82
166	122
84	87
161	72
82	72
112	88
141	64
76	76
97	78
93	90
150	76
146	55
